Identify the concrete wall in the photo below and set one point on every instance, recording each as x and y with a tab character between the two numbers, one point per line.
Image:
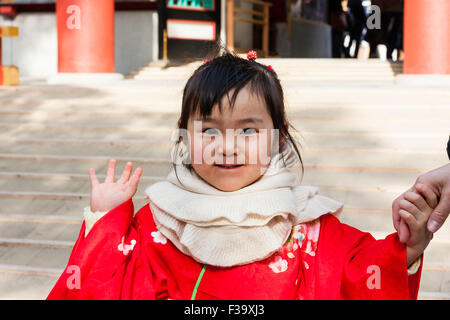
243	31
310	39
35	51
136	39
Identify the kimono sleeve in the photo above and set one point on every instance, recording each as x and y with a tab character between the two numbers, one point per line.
372	269
101	264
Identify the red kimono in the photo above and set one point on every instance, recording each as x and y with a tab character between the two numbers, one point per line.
126	257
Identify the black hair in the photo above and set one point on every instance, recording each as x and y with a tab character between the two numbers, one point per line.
217	76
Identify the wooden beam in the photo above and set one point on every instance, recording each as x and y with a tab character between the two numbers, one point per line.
253	12
265	35
262	3
230	25
252	21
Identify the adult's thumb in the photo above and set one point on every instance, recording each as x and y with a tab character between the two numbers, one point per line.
439	215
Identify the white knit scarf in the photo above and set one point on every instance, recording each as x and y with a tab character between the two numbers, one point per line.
235	228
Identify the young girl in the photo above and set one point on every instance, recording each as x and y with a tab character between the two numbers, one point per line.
228	225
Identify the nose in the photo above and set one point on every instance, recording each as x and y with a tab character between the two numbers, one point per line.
227	147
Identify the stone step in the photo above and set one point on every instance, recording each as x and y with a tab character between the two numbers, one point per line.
48	209
57	168
81	165
111	136
286	68
336	161
160	153
283	67
383	180
322	64
319	65
312	79
160	88
295	109
330	124
352	196
295	73
17	285
303	96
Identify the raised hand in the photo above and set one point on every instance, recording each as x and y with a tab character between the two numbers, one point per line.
109	194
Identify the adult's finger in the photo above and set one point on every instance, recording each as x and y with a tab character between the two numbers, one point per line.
111	173
440	214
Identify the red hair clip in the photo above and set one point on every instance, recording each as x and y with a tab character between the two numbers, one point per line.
252	55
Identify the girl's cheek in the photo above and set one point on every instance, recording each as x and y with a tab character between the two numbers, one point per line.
196	149
208	152
251	150
264	148
202	150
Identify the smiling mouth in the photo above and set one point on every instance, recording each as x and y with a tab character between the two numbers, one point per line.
228	166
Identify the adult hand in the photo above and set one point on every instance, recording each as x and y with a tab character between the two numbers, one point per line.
439	182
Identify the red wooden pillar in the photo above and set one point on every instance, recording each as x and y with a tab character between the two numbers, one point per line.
1	69
85	36
427	37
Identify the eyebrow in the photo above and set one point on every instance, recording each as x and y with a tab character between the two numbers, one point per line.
246	120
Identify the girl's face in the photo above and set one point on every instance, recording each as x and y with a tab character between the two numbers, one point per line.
232	149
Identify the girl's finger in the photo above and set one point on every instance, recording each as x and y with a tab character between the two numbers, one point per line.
111	173
430	197
126	173
135	178
93	178
419	215
403	231
417	200
408	206
409	219
395	207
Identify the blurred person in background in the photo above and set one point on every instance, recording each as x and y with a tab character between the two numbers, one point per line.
339	24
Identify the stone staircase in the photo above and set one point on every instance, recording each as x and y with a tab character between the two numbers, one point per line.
364	138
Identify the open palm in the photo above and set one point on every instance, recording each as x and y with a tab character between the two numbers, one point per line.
109	194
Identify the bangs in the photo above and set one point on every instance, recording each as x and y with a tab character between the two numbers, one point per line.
221	76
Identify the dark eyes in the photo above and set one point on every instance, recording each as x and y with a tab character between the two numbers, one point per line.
213	131
210	131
